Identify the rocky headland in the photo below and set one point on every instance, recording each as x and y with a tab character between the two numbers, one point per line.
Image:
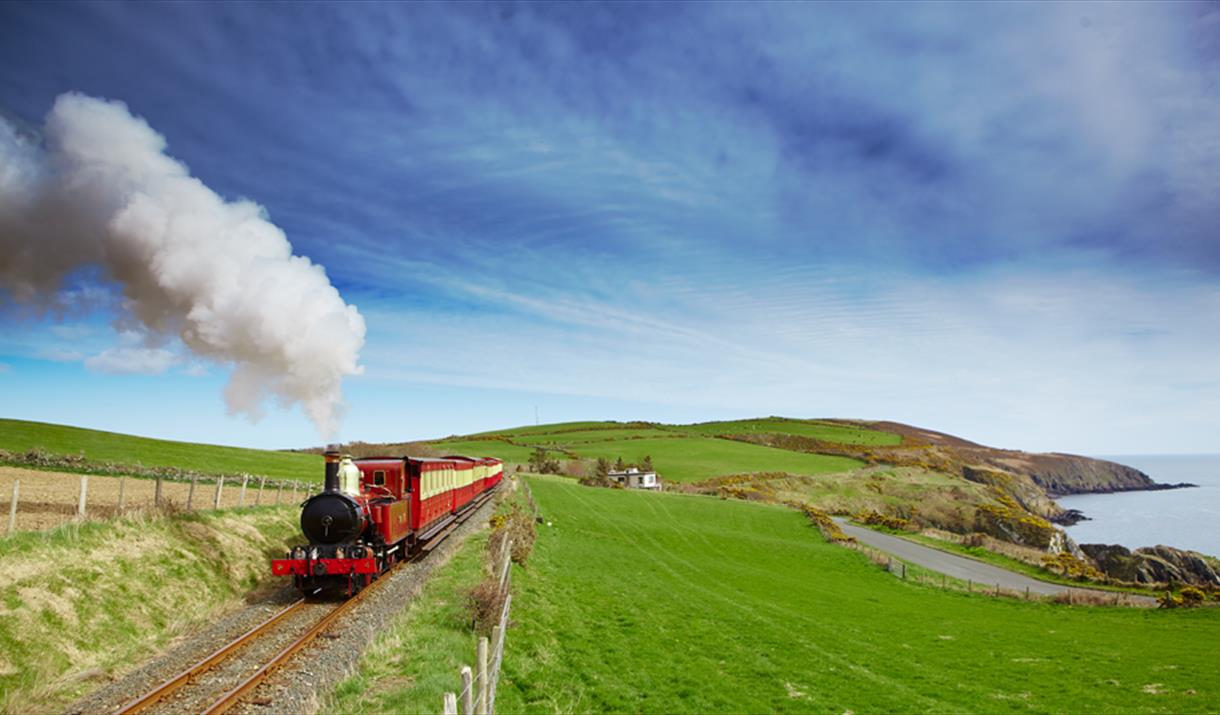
1019	505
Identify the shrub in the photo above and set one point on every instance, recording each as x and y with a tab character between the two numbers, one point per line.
485	602
873	518
822	520
1192	596
518	526
1065	564
542	464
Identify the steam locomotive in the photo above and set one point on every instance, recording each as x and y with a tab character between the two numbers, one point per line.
377	511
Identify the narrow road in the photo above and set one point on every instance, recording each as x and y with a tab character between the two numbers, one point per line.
966	569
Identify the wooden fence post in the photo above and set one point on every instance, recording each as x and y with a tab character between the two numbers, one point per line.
190	495
970	585
279	493
1027	593
12	509
506	561
997	590
258	500
944	582
450	707
294	492
467	691
480	705
122	493
241	499
904	571
220	482
84	496
157	493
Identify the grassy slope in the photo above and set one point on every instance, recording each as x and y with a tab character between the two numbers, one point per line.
695	458
486	448
654	602
20	436
681	452
100	596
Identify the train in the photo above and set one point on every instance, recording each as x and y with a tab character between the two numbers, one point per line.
374	512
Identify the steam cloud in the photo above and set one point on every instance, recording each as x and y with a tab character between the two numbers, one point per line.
100	191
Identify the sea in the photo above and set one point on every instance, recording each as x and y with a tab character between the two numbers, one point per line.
1182	518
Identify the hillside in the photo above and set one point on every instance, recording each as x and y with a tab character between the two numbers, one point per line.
928	479
18	437
886	443
672	603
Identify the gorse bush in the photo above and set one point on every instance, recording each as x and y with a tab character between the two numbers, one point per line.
1066	564
829	528
873	518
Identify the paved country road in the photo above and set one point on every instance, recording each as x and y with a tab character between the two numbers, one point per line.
964	568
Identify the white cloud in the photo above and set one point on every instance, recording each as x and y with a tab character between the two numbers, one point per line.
132	361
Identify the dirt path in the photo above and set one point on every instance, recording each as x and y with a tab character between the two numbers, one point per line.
967	569
49	499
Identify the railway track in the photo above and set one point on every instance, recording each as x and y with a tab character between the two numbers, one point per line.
220	695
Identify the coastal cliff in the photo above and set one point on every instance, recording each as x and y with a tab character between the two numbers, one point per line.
1157	565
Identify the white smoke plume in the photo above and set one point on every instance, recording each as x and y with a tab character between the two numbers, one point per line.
99	190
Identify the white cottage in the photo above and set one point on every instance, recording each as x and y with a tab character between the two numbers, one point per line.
633	478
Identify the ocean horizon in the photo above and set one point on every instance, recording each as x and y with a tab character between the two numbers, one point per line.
1181	518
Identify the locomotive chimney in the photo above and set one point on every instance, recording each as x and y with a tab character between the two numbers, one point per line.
332	467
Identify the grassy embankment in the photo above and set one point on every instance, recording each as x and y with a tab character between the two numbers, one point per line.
18	436
655	602
84	602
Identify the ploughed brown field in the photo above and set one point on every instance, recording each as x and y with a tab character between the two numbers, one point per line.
49	499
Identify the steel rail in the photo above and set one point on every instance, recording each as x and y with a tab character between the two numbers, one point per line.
172	685
231	698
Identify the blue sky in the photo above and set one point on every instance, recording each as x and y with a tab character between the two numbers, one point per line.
993	219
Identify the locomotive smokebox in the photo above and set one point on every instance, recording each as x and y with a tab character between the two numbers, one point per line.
332	467
332	518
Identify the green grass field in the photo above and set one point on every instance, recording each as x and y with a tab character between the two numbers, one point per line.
689	459
826	431
20	436
636	602
602	435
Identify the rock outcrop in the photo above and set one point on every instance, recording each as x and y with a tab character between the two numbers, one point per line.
1163	565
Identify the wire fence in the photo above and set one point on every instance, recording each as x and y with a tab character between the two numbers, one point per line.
477	695
46	503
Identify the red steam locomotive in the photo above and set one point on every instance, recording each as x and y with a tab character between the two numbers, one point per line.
374	512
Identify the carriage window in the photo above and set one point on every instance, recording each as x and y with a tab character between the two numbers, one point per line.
379	477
